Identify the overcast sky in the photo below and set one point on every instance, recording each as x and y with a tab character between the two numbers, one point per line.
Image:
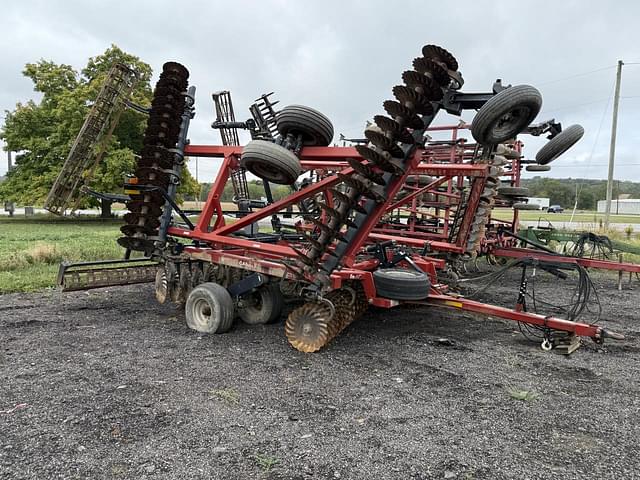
343	57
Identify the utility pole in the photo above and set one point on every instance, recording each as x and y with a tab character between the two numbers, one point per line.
612	148
9	161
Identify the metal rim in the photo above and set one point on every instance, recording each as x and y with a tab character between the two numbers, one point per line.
510	123
201	315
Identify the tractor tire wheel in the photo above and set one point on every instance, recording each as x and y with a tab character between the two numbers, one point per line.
506	114
525	206
265	305
401	284
513	191
559	144
419	179
538	168
209	309
271	162
316	129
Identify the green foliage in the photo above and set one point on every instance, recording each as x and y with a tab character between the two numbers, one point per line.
43	132
562	191
227	395
522	395
266	462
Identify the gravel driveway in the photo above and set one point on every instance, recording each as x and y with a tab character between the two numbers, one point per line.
109	384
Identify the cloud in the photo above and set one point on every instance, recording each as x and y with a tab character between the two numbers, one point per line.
343	57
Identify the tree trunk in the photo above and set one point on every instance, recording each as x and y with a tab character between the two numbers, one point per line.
105	208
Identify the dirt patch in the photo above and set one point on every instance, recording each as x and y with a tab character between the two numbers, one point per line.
109	384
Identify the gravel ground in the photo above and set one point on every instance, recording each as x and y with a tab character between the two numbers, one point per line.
109	384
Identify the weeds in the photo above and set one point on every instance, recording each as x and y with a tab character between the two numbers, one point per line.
266	462
227	395
31	249
522	395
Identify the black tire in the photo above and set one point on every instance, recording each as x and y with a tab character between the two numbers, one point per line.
419	179
271	162
265	306
401	284
538	168
559	144
316	128
209	309
513	191
506	114
525	206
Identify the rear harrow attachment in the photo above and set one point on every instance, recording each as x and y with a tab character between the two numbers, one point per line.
90	144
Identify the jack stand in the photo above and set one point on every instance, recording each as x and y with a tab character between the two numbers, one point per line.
565	343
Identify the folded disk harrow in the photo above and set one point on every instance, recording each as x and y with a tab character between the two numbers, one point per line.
383	223
158	170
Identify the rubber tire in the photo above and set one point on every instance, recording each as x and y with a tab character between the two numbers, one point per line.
559	144
513	191
316	128
401	284
419	179
538	168
525	206
271	162
272	304
520	96
218	300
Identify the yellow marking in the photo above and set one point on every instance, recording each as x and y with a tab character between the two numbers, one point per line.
453	304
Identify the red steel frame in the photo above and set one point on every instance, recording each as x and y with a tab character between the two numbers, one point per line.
249	254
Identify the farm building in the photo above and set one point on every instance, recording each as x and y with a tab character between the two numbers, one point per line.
624	206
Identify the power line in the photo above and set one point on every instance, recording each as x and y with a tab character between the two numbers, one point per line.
577	75
593	148
577	105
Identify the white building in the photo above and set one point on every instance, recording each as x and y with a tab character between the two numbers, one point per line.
622	206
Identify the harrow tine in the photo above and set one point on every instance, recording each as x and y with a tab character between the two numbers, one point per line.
376	158
366	171
343	198
321	226
333	213
304	257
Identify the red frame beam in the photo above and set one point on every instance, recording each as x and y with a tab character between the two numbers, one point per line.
585	262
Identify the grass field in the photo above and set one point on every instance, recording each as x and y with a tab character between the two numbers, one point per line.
565	217
31	249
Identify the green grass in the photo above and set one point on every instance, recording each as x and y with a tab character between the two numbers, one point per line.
581	216
266	462
522	395
32	248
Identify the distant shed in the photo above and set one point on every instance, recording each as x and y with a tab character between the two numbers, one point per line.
627	206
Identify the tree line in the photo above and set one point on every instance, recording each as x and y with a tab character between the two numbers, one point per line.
562	191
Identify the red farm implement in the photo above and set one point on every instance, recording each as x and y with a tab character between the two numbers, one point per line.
383	223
